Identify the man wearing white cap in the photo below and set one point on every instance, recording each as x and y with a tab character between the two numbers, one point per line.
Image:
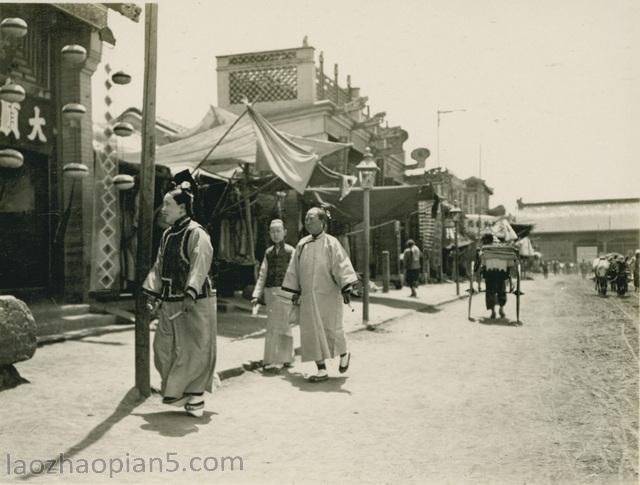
278	342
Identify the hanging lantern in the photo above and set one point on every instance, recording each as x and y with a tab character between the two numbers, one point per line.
11	158
11	92
75	170
123	182
74	54
14	27
73	111
122	128
121	77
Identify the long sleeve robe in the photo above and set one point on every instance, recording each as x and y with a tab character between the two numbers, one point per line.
278	341
184	348
319	271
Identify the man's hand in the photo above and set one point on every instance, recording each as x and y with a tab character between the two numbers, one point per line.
295	299
254	301
188	304
346	296
152	303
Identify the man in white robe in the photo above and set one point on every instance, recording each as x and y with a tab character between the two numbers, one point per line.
278	341
320	276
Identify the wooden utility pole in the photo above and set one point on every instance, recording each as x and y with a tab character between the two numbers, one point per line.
385	272
146	198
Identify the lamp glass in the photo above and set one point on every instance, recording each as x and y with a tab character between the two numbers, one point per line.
367	178
367	169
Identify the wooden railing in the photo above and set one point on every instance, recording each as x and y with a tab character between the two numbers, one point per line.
327	88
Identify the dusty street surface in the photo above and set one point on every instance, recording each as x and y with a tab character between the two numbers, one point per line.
429	398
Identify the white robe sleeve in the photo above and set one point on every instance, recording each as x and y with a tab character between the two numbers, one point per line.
200	256
262	279
291	282
341	268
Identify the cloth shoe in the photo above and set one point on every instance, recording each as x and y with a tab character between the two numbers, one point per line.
320	376
195	406
344	363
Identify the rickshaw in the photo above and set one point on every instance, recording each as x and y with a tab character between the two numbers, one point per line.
503	257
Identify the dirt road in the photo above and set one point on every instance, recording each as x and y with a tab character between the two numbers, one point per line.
429	398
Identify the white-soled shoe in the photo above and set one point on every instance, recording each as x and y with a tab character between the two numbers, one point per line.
320	376
344	363
195	406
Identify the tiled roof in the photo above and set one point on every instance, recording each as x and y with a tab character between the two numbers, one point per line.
581	216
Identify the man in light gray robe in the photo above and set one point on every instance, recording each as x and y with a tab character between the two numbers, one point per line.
278	341
320	276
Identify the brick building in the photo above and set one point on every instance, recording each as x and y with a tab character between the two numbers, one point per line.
582	229
33	197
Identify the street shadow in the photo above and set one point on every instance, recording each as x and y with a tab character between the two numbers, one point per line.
242	327
414	304
174	424
500	322
10	378
297	379
129	402
270	373
428	309
100	342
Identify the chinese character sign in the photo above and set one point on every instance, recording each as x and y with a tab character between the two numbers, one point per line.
16	121
9	119
37	122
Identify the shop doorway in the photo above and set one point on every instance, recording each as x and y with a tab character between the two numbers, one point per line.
25	232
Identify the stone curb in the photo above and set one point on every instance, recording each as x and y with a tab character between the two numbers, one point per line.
224	374
80	334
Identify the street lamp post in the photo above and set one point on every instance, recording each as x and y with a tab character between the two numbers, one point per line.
367	170
455	216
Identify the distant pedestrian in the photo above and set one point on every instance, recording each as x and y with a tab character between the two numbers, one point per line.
278	341
584	268
495	274
545	269
185	340
412	260
320	276
636	270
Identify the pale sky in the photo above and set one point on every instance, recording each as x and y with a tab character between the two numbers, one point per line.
550	87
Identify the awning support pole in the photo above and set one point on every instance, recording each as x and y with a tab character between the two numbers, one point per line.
247	212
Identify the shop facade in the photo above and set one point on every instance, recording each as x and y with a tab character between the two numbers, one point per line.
46	217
